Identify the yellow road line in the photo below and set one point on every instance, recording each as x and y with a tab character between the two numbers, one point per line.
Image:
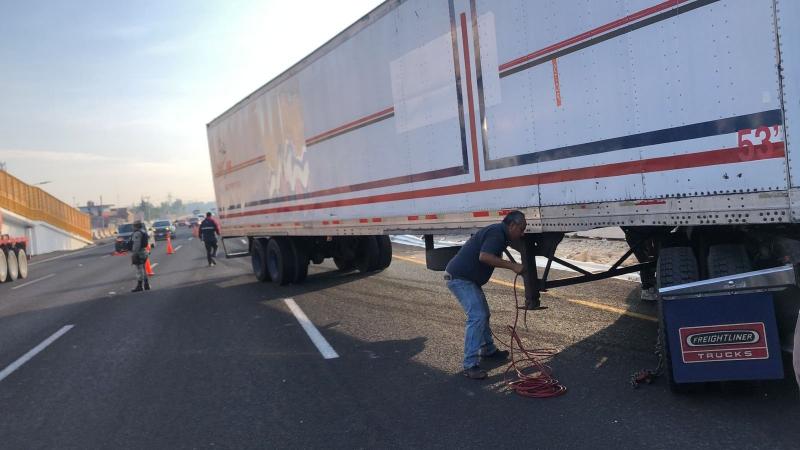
586	303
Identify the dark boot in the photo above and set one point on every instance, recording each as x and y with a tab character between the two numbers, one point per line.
138	287
146	285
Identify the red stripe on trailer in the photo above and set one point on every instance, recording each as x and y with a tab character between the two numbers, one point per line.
556	83
413	217
377	219
325	222
480	214
650	202
363	220
591	33
431	216
240	166
503	213
343	128
336	222
732	155
473	135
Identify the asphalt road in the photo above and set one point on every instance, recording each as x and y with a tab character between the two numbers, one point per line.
211	358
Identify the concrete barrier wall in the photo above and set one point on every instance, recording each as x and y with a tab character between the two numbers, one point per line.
42	237
102	233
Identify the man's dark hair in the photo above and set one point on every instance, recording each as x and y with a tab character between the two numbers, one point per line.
208	214
515	217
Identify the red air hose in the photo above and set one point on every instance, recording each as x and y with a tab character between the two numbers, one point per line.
534	377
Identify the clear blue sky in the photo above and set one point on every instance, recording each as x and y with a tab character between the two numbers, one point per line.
111	97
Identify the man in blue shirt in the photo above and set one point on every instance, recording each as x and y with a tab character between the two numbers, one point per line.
470	269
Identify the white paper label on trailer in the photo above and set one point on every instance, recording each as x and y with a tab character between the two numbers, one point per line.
423	85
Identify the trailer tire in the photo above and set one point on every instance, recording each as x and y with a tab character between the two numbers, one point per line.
280	261
676	265
384	252
22	262
301	261
728	259
258	258
676	388
13	267
3	266
367	257
345	265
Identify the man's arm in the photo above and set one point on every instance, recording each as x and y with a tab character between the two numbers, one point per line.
496	261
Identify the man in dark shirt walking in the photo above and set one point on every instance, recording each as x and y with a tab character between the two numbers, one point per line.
208	232
470	269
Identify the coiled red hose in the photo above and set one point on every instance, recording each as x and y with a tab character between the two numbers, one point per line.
532	376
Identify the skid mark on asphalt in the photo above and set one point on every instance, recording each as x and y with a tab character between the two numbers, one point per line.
588	304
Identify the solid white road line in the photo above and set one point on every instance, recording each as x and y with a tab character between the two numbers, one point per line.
154	265
322	345
33	352
177	248
190	239
67	254
34	281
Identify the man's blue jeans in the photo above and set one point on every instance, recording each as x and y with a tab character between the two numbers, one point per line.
478	336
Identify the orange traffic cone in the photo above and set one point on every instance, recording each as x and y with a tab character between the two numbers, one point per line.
147	267
170	250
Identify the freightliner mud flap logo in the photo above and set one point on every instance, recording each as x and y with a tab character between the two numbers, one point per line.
730	342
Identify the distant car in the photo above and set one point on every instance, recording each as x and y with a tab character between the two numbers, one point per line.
124	233
194	221
163	228
181	222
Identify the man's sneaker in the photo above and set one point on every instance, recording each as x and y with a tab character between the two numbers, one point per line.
475	373
498	355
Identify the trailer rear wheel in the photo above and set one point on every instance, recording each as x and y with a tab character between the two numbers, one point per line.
258	258
22	262
3	267
13	267
676	265
343	264
727	259
301	261
676	388
384	252
368	254
280	261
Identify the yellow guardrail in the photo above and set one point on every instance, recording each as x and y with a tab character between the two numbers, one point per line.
36	204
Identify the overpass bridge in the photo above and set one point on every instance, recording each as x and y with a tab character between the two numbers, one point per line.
45	222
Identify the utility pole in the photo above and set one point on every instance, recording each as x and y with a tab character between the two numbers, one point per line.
146	207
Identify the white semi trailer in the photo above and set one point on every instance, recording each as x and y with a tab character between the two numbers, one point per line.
670	119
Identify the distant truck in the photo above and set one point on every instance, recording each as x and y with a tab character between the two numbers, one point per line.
13	258
672	120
